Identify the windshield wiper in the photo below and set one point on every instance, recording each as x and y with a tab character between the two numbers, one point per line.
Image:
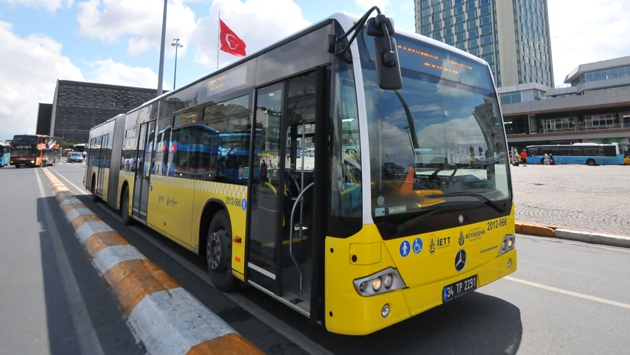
399	228
483	198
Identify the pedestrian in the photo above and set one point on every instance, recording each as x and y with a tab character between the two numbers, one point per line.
523	158
551	162
546	159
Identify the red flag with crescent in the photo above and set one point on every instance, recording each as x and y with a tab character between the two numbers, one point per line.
230	42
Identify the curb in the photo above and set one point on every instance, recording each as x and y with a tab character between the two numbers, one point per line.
570	234
163	316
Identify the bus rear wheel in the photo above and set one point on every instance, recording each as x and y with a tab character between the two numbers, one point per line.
124	208
219	252
95	198
590	162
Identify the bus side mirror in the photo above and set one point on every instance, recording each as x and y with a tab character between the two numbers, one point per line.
385	52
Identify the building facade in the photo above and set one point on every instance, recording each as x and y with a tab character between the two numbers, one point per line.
594	109
511	35
44	113
79	106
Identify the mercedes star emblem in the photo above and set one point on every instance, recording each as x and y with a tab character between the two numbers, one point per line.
460	260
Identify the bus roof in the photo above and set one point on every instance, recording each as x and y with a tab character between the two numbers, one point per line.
344	19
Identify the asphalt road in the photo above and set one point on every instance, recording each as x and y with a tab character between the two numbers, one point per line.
52	301
566	297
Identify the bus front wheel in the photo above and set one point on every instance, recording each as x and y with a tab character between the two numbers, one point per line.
590	162
219	252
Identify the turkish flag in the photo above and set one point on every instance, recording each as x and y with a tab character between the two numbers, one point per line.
230	42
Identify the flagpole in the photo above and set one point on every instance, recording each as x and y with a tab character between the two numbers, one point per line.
218	38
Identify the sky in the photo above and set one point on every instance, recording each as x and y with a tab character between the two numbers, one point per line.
118	41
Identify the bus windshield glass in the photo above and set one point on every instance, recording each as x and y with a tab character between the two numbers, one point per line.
438	141
25	146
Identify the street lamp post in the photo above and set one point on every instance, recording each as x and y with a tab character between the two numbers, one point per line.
161	70
177	45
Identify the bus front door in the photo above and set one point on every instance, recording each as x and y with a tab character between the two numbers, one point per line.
281	228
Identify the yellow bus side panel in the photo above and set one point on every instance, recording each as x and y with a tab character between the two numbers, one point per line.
170	208
176	206
425	262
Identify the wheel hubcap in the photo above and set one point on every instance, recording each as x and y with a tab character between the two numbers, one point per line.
214	250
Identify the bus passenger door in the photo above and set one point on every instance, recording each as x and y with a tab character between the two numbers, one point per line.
281	228
103	164
143	163
265	219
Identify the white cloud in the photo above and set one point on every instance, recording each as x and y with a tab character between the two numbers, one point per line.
34	64
257	22
50	5
139	20
584	32
367	4
110	72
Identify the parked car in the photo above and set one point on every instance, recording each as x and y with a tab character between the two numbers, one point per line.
75	156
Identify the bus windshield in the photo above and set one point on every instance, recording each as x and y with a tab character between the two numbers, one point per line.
25	146
439	140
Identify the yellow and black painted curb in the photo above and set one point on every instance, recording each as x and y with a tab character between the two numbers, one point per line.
161	314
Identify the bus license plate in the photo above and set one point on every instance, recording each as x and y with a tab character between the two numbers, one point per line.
459	288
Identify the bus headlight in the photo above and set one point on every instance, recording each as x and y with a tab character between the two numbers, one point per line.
383	281
388	281
509	240
376	284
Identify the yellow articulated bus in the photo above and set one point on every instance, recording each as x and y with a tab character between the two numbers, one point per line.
363	231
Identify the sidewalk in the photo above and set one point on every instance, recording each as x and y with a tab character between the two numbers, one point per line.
578	202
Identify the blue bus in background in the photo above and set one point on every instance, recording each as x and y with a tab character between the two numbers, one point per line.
5	154
578	153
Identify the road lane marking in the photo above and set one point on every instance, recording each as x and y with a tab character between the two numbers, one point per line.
82	190
570	293
83	325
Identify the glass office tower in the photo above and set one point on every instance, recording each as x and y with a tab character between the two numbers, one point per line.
511	35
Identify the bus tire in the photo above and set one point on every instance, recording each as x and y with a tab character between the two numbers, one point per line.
93	191
124	208
590	162
219	252
17	166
